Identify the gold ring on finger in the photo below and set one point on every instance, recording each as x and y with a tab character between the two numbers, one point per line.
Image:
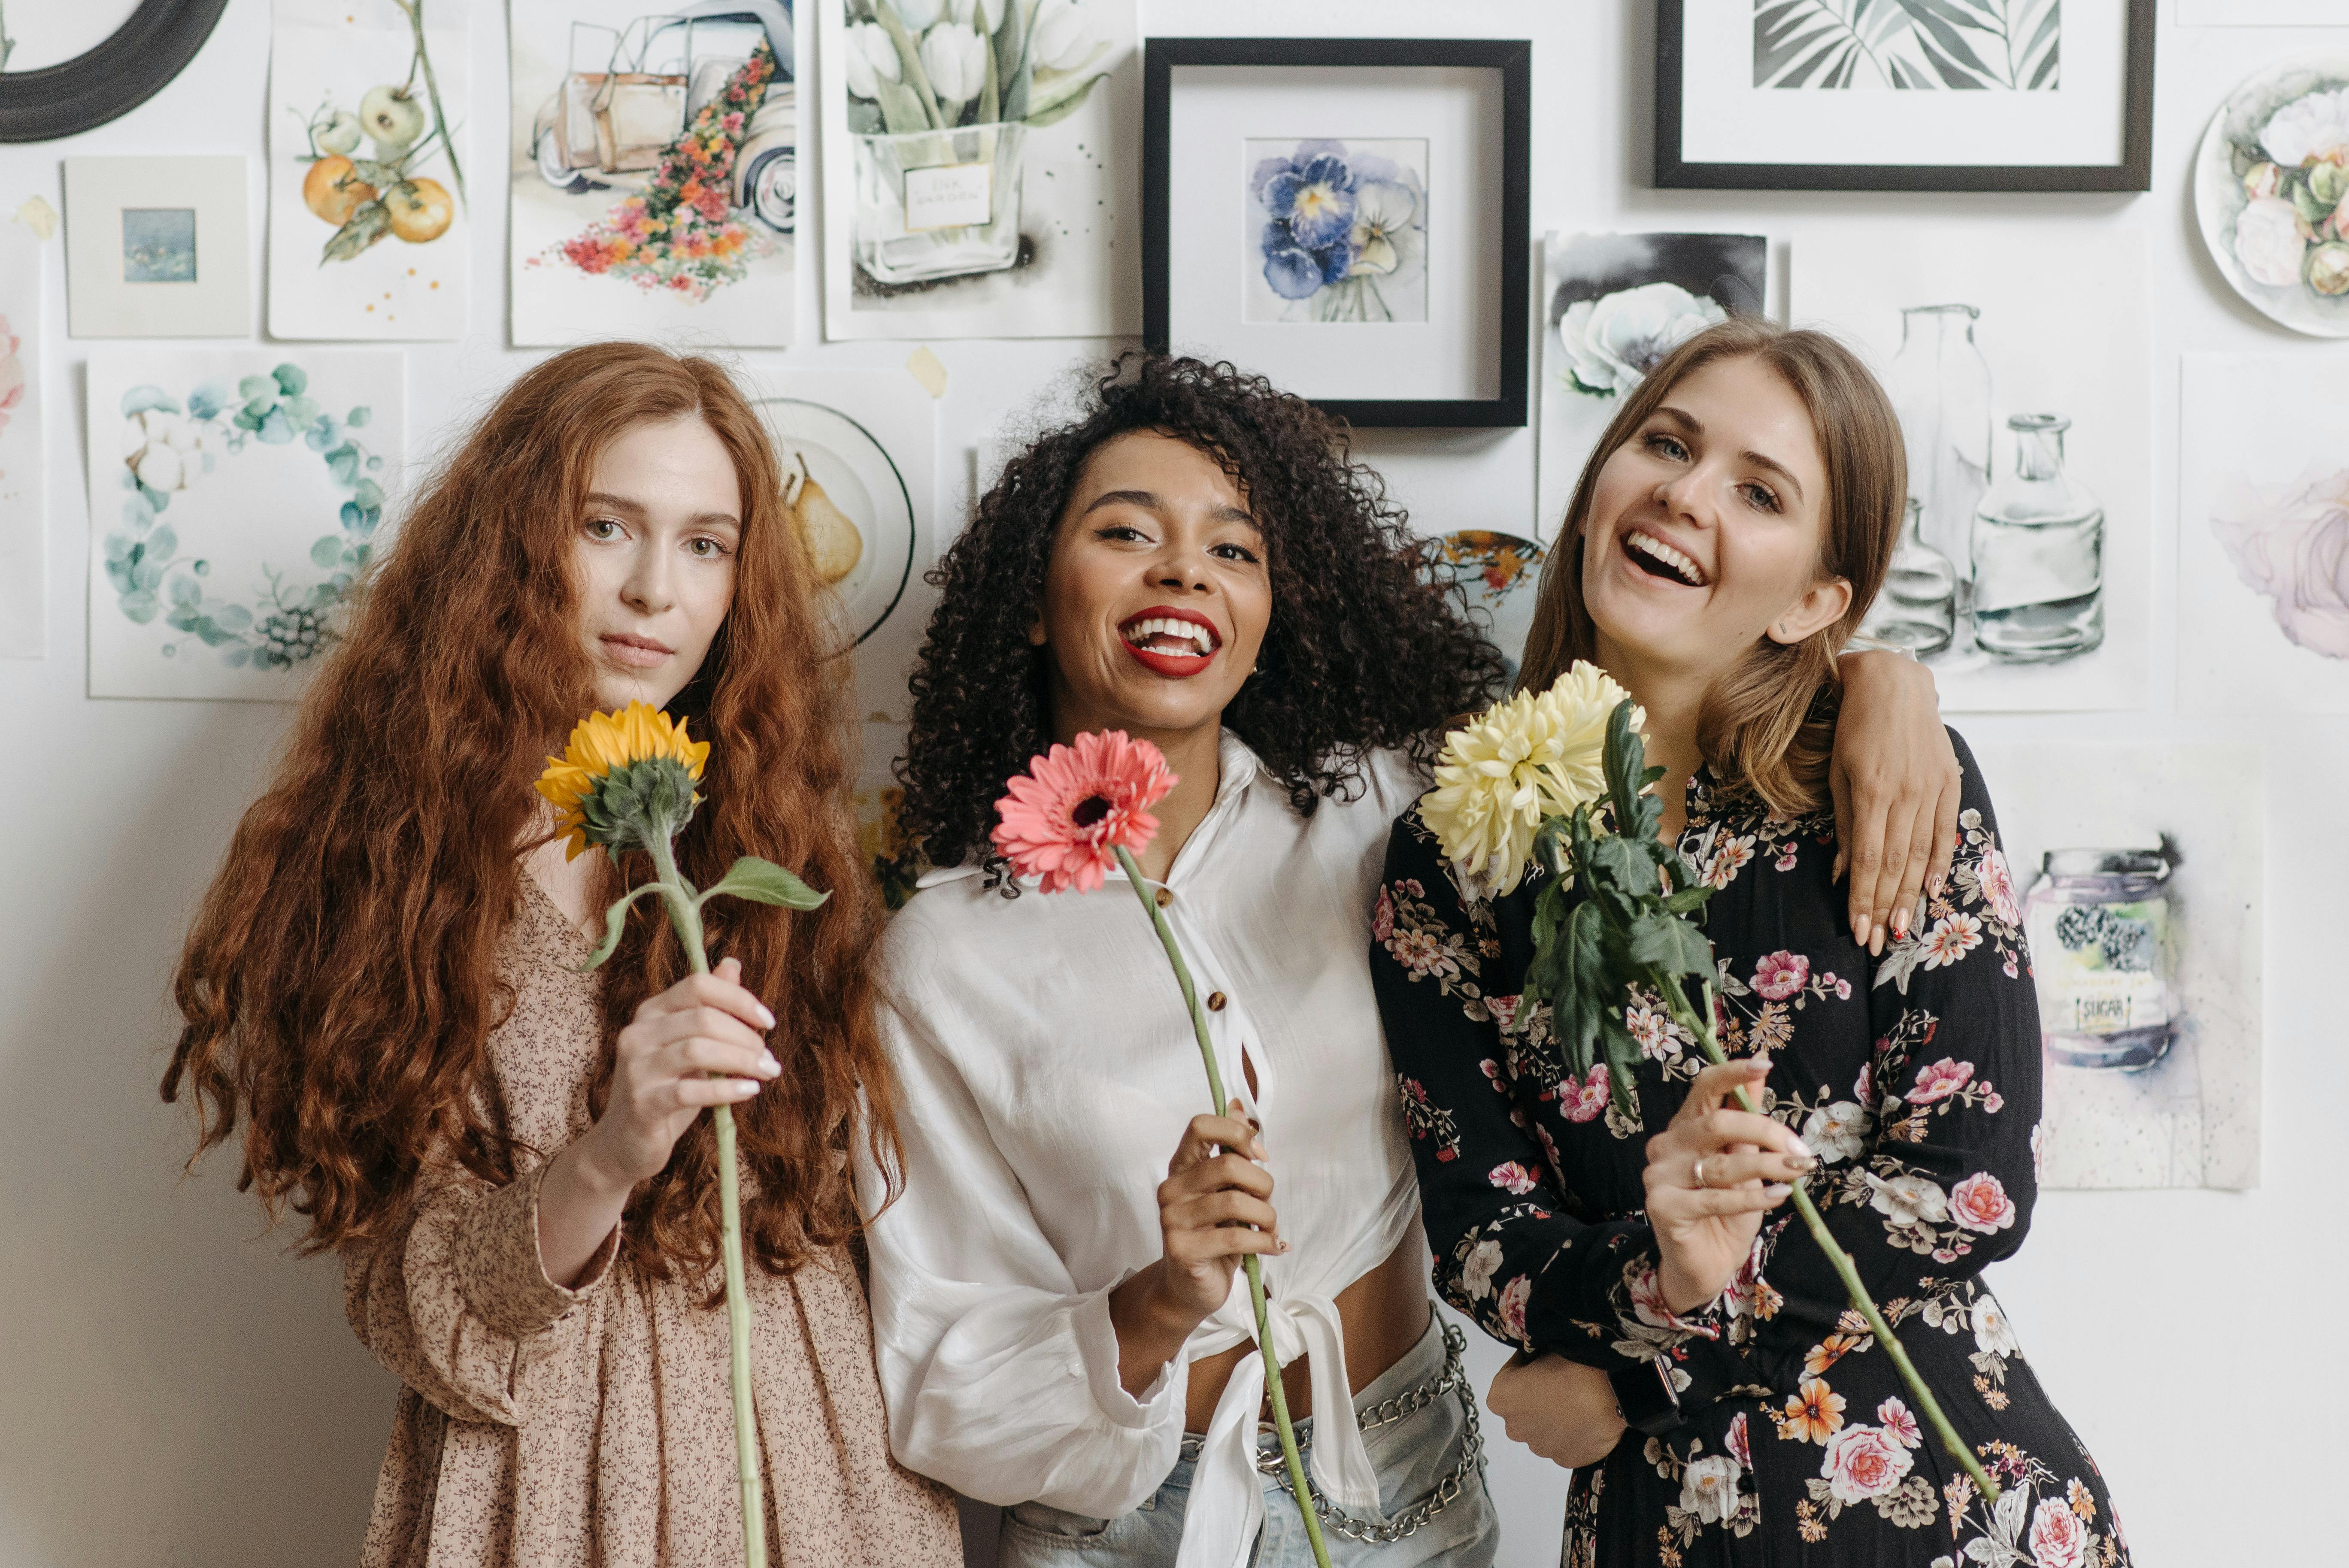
1699	1171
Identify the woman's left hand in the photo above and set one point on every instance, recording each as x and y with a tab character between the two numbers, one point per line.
1895	783
1711	1174
1561	1410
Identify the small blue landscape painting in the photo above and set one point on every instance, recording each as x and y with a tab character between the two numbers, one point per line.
158	244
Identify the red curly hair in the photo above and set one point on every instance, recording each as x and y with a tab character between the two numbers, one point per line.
342	978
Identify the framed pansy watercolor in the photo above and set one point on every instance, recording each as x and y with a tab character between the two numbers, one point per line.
1348	216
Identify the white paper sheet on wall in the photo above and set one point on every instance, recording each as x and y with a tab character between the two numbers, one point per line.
369	218
2148	990
24	554
234	493
2263	533
1048	240
2059	569
653	184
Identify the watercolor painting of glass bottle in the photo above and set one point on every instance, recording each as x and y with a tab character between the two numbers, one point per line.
1916	610
1941	388
2038	553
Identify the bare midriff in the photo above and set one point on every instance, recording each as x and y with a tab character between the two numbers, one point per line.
1383	1314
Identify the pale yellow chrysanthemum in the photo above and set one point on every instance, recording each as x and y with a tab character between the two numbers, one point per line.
1537	754
600	743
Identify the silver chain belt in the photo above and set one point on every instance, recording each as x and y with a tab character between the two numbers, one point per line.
1453	1379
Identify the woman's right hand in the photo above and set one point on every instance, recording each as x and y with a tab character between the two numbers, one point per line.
663	1060
1214	1208
1710	1176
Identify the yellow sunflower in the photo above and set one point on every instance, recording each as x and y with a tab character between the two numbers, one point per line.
605	749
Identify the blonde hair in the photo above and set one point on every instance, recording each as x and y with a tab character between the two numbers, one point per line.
1770	720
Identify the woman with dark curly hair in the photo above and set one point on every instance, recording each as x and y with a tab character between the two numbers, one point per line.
1196	561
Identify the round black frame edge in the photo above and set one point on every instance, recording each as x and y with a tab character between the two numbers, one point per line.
2133	173
137	61
1512	56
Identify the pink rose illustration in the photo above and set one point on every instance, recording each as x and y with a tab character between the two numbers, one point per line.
1739	1443
1939	1081
1897	1421
2058	1538
1585	1102
1863	1463
1382	917
1980	1203
1512	1177
1781	974
1503	1010
1511	1307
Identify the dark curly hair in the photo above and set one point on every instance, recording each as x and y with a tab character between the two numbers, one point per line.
1368	647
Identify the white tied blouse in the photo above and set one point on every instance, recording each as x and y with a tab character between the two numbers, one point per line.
1047	1073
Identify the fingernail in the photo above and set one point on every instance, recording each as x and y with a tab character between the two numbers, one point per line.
1282	1248
1804	1164
766	1016
1259	1150
1900	923
769	1064
1777	1190
1803	1151
746	1087
1933	885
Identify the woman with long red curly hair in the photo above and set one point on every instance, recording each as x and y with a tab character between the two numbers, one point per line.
383	988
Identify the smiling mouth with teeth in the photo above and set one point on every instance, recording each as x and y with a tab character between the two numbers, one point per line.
1165	635
1656	557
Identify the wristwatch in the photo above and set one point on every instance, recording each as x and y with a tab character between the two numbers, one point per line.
1643	1392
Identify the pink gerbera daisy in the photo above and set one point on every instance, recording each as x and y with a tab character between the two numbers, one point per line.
1066	817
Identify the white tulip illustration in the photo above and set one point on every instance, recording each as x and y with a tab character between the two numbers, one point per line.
955	58
871	59
1062	41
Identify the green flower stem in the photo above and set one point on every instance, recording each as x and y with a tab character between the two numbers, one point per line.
1676	1000
910	56
1298	1484
684	914
415	9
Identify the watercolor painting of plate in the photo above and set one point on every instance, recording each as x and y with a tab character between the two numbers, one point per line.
2274	216
1501	575
860	478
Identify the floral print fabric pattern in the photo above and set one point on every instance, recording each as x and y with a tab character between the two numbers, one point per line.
1913	1076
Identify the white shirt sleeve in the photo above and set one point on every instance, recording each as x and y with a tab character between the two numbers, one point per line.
1001	1376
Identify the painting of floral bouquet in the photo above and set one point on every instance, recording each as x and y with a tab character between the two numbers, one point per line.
232	518
1337	231
658	151
2271	190
1615	306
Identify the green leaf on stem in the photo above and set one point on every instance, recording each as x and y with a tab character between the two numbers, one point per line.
1056	103
764	881
615	919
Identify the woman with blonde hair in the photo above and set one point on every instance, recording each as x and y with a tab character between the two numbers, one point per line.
383	988
1722	546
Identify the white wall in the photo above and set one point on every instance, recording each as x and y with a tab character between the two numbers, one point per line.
175	1389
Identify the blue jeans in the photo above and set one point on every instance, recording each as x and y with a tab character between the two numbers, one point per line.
1410	1456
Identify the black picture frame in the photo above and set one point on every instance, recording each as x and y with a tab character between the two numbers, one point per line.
1513	57
137	61
2133	172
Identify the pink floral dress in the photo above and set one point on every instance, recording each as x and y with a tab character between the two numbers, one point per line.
1770	1427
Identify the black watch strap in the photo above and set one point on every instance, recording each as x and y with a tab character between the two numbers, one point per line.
1645	1398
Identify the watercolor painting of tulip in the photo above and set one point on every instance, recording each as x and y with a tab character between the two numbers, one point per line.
2272	192
1337	231
1615	306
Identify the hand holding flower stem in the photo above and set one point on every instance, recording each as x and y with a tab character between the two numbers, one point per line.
626	782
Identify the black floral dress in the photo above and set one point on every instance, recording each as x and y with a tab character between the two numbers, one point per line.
1771	1428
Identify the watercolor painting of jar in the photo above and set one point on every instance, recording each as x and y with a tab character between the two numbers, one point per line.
2023	571
2136	870
976	176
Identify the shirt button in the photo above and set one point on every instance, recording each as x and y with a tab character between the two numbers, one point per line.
1215	1002
1166	897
